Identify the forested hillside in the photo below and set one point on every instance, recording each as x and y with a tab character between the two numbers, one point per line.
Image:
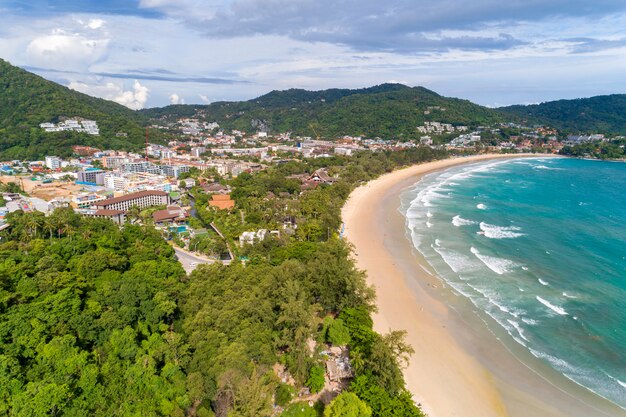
389	111
600	114
26	100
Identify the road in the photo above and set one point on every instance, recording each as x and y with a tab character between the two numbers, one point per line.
189	260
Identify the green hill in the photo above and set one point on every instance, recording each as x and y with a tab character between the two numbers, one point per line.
600	114
26	100
387	111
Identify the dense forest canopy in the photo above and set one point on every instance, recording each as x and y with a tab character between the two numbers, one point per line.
600	114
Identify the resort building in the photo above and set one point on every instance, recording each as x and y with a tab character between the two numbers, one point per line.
172	215
141	199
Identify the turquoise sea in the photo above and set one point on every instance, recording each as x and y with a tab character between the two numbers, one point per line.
539	245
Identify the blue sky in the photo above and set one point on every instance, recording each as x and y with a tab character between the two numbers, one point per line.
146	53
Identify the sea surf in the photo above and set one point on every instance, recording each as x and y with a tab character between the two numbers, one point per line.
539	247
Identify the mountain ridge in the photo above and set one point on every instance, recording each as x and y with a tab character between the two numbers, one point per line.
389	111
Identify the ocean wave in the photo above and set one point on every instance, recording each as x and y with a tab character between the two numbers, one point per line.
498	265
623	384
456	261
547	168
428	195
437	242
500	232
559	310
492	299
531	322
459	221
519	329
481	206
542	282
568	296
429	224
509	328
429	214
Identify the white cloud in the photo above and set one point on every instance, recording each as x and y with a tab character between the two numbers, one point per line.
62	50
95	23
176	99
204	99
134	99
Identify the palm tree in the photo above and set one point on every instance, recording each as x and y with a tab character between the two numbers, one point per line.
32	224
48	226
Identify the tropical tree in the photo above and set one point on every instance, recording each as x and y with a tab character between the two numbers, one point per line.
347	404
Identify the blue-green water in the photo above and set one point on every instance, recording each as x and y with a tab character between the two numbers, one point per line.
540	246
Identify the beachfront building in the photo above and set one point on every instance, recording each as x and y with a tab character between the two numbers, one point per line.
141	199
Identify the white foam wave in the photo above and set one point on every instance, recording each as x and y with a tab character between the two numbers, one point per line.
568	296
559	310
456	261
437	242
623	384
530	321
546	167
427	196
500	232
519	329
481	206
459	221
429	224
498	265
429	214
542	282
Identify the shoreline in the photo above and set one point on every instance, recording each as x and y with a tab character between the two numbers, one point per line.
458	369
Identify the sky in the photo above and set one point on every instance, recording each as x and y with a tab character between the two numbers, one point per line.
148	53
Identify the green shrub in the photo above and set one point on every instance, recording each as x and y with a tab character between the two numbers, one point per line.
316	380
284	394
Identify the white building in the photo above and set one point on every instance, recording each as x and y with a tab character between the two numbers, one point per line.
115	182
53	162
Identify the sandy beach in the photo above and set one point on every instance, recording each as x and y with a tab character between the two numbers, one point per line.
456	370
